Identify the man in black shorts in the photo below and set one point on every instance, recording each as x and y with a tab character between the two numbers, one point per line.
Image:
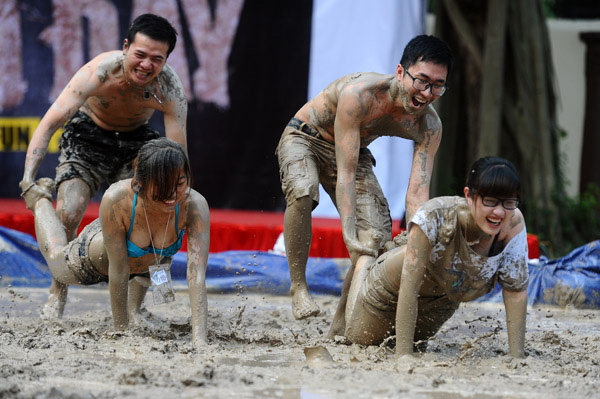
107	104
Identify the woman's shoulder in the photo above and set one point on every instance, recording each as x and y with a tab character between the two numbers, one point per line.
197	198
117	191
438	217
515	226
197	205
445	205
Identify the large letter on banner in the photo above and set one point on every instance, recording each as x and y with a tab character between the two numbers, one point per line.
65	36
212	37
168	10
12	85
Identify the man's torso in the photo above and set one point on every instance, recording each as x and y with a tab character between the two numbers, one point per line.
382	115
118	105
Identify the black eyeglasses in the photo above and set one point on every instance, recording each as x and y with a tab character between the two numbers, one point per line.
508	204
422	85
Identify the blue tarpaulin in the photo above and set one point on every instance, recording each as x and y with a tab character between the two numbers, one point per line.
572	279
22	264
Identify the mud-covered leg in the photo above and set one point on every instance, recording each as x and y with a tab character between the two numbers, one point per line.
55	304
50	234
297	232
338	325
72	199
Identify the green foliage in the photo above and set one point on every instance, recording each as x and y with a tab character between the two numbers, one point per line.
579	222
548	6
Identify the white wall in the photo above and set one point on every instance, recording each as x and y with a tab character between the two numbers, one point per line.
568	56
366	36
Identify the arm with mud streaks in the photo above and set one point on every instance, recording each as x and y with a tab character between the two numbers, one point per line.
198	236
413	272
352	106
175	109
79	89
422	164
114	233
515	303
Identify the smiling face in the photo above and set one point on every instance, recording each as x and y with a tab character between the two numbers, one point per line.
414	100
144	59
489	219
168	205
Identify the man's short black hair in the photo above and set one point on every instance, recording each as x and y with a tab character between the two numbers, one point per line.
155	27
427	49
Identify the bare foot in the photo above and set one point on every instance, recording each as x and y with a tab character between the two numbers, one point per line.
55	305
303	305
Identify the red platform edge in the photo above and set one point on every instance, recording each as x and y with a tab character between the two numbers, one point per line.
231	230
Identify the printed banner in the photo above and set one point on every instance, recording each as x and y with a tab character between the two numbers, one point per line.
244	66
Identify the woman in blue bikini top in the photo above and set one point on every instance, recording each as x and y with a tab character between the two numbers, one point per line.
138	216
133	251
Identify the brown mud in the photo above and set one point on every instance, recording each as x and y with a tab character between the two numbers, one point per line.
258	350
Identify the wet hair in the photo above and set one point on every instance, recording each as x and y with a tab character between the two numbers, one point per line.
155	27
427	49
158	166
493	177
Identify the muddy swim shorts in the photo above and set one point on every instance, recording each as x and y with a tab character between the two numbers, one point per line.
96	155
77	256
306	160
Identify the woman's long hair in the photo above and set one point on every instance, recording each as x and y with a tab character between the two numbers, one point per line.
158	167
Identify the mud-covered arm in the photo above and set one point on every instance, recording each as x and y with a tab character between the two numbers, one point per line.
424	152
198	236
413	271
351	108
114	234
175	108
515	303
81	86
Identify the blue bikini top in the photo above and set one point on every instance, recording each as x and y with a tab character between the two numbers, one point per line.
133	251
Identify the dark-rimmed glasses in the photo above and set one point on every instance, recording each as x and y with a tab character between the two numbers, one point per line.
422	85
509	204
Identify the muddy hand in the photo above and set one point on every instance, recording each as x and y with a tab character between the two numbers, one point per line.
357	248
36	191
138	320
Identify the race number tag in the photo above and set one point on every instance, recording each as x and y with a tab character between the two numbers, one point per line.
162	285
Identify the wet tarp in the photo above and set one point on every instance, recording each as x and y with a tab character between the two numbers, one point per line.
572	279
22	264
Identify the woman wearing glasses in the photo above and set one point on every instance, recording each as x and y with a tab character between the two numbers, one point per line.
455	250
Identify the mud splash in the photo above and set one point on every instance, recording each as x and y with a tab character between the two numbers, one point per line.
257	349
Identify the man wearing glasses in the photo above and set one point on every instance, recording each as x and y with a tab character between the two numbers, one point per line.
326	142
